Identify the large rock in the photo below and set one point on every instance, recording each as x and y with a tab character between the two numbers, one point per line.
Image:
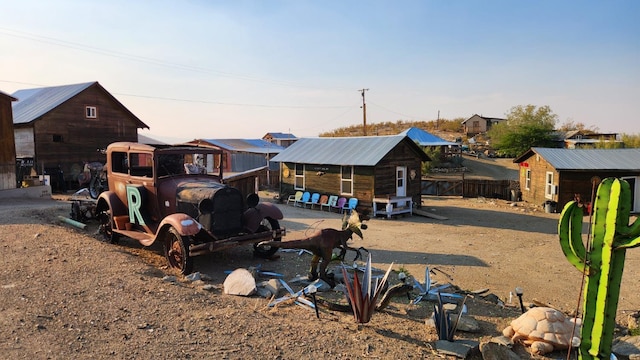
240	282
627	347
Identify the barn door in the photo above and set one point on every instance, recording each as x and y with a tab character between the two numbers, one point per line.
401	181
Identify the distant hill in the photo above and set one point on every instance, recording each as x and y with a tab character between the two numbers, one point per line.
446	129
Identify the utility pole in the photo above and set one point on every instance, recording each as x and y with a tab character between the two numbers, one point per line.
364	112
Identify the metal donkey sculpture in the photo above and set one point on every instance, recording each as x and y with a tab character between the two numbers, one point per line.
601	261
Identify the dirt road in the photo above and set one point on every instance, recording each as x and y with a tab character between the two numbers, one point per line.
64	294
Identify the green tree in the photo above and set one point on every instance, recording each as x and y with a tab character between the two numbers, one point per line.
526	127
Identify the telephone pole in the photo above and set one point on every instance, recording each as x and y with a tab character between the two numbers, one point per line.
364	112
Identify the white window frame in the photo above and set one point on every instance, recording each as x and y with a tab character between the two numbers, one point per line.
298	173
527	179
91	112
549	187
346	181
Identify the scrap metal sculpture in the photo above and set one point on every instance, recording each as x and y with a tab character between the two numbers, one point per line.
601	261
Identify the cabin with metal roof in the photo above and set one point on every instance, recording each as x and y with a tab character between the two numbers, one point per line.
281	139
7	144
557	175
61	127
366	168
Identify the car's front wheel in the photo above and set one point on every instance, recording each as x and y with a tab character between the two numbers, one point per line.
267	224
176	250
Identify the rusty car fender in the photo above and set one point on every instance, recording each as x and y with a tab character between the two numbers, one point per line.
254	216
183	223
110	200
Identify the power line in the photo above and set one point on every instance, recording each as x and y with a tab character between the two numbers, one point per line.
148	60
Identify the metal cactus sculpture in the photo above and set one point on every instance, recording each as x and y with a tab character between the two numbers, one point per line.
601	261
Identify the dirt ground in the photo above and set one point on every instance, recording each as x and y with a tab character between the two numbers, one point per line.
66	295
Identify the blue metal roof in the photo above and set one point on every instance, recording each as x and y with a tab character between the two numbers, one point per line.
258	146
359	151
424	138
588	159
33	103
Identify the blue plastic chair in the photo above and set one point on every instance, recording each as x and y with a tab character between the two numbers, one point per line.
315	197
305	199
350	205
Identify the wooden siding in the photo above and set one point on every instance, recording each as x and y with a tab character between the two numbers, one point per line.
7	145
78	138
539	168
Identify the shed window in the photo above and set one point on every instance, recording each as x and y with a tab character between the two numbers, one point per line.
527	179
91	112
346	181
299	178
57	138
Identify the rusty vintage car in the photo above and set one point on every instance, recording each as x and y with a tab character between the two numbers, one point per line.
176	195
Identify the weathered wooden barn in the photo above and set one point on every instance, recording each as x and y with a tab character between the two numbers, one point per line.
557	175
61	127
367	168
7	144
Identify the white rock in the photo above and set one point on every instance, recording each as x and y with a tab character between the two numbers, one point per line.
240	282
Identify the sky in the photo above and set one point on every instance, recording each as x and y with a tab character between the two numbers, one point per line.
240	69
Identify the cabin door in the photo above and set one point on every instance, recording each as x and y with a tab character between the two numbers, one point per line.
401	181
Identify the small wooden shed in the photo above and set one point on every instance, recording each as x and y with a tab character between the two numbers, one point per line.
549	175
61	127
367	168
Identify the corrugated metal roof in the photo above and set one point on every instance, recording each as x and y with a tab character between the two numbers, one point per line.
33	103
359	151
424	138
257	146
591	159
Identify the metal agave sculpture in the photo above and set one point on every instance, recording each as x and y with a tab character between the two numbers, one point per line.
601	262
363	295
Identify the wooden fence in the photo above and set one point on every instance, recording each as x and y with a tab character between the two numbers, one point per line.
500	189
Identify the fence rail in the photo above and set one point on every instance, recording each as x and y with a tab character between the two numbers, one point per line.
501	189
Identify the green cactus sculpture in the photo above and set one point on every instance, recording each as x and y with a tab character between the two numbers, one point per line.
602	262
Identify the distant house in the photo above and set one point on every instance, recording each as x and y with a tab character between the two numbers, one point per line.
280	139
478	124
366	168
7	144
61	127
556	175
242	155
578	139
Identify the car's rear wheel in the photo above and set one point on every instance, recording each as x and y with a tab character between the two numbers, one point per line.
267	224
176	250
